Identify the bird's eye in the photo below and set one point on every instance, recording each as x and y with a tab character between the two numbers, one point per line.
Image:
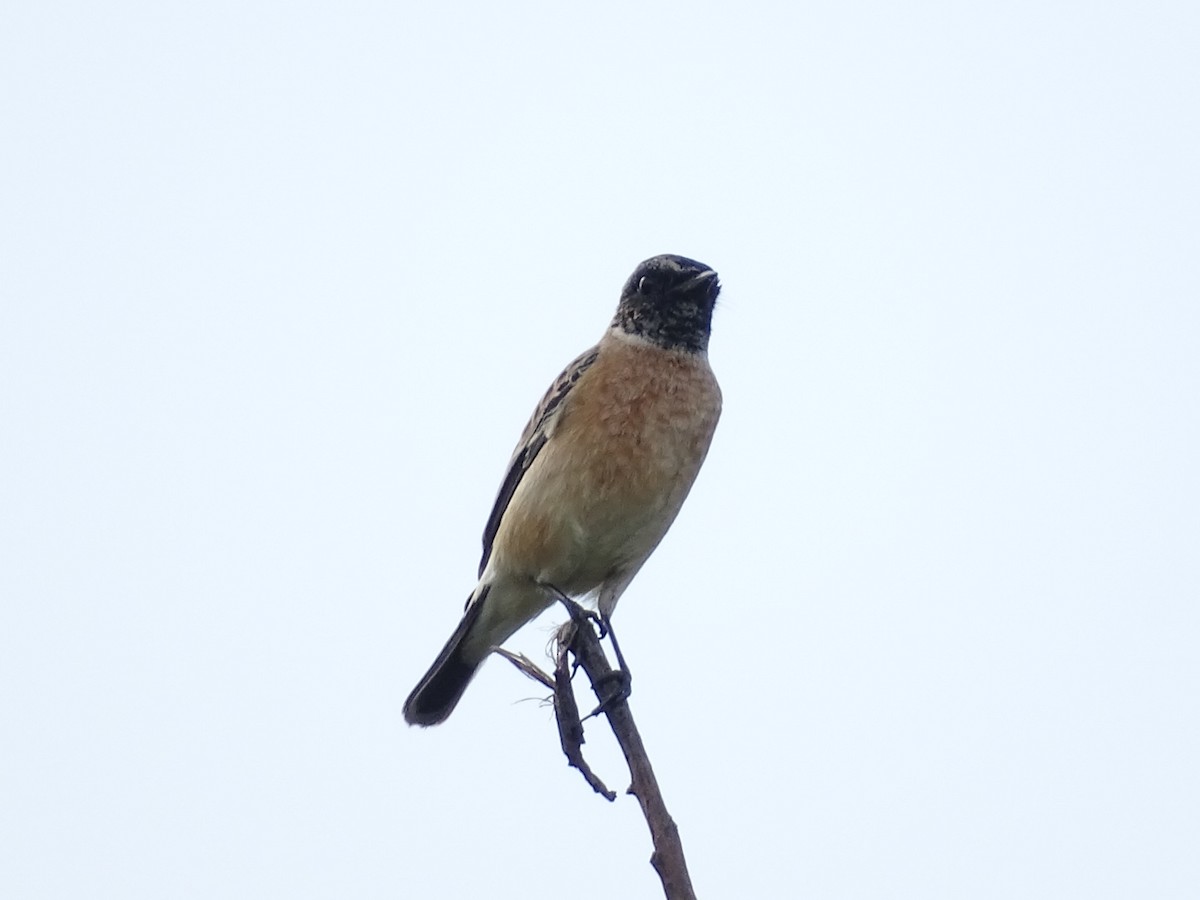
648	284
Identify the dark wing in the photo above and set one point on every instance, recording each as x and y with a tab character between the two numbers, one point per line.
533	439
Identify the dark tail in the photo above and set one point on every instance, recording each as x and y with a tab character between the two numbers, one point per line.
438	692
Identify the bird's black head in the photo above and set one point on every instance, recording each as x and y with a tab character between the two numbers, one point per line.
669	300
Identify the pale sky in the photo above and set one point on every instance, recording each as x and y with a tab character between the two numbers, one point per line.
281	285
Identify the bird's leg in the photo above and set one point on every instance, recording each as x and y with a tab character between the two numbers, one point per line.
578	614
620	677
606	627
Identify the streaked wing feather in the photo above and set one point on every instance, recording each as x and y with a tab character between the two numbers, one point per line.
533	439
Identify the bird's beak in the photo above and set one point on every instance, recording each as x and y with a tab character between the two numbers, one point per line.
698	280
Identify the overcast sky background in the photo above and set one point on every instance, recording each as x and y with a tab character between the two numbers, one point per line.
281	284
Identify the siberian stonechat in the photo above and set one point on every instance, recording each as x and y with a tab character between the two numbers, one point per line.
599	474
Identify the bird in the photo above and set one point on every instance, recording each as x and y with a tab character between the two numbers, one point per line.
599	473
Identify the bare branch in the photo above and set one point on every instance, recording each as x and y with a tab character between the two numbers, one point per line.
566	712
578	638
668	859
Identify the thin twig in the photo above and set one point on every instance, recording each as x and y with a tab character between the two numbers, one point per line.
525	666
579	639
668	859
566	713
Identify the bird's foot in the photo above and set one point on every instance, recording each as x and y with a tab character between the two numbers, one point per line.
617	685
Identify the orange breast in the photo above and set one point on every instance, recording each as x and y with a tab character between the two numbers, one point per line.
619	462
